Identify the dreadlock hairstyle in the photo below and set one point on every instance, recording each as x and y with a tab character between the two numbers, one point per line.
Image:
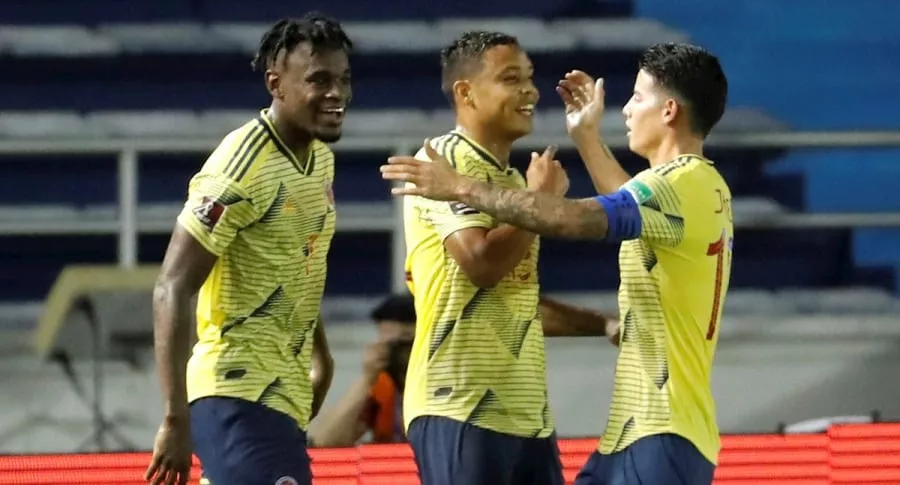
320	31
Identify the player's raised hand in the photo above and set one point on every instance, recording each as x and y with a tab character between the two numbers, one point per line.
585	101
546	174
436	180
172	456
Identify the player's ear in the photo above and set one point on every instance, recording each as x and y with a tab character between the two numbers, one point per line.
671	109
273	84
462	93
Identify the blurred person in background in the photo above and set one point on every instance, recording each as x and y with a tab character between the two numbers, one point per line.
374	402
252	239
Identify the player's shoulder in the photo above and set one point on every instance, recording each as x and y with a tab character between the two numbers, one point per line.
237	156
456	149
679	174
440	143
681	166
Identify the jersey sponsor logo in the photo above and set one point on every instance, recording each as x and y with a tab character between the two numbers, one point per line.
460	209
287	481
640	191
209	212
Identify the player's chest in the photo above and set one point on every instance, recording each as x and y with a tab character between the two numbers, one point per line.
508	179
300	207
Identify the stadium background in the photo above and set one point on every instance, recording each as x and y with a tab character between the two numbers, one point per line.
108	106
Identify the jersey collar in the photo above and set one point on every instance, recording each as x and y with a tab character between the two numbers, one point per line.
305	167
480	150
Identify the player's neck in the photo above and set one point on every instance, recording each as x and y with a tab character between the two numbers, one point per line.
296	140
672	147
494	145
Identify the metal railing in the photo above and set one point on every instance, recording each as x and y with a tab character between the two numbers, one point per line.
128	226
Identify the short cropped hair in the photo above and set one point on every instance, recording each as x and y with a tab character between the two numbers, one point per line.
322	33
462	58
693	75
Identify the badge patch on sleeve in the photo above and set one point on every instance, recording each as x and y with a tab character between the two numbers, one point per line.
209	212
460	209
639	190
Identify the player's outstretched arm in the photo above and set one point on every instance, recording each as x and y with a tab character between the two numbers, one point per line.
542	213
184	269
322	372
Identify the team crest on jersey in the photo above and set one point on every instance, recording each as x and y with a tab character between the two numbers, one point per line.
209	212
286	481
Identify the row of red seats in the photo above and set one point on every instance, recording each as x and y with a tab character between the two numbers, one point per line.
846	454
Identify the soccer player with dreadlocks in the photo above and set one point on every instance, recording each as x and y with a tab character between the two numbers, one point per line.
252	240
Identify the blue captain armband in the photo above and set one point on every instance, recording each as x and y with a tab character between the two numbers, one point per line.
623	214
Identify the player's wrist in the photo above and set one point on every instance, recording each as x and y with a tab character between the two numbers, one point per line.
464	189
587	137
176	411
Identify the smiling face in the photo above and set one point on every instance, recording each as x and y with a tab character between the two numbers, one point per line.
502	92
312	89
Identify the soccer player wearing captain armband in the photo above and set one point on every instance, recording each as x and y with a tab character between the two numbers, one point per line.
253	239
674	222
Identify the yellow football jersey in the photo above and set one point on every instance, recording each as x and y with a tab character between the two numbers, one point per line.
673	284
478	355
269	218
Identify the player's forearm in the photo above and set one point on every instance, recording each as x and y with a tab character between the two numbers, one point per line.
504	248
340	426
322	372
171	338
606	173
564	320
538	212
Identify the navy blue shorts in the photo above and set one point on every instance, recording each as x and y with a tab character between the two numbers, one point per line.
245	443
449	452
665	459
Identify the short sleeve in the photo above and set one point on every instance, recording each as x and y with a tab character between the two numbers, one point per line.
217	208
450	217
660	205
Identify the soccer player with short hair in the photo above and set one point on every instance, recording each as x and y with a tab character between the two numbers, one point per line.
475	403
674	222
253	239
